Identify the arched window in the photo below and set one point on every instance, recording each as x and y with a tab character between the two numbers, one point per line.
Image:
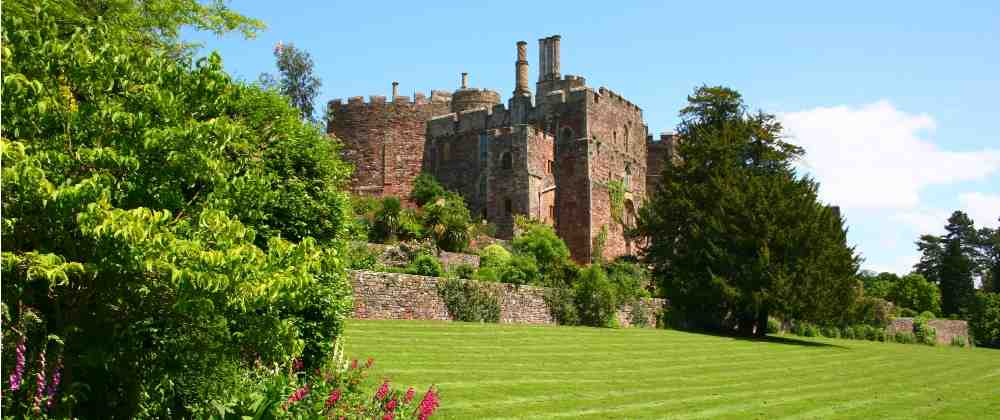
629	213
627	179
505	160
508	207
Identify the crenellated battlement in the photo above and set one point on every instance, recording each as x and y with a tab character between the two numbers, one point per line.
612	95
473	120
418	98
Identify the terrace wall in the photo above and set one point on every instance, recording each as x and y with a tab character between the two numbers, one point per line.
406	296
946	328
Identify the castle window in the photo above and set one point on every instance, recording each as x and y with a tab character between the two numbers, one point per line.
505	160
552	213
626	138
548	167
627	179
508	207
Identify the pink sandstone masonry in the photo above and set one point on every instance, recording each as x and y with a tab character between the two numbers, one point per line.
946	329
406	296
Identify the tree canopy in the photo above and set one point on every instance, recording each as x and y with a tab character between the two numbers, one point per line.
733	233
165	227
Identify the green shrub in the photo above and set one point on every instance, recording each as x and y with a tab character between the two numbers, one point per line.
811	331
494	255
831	332
387	221
469	301
550	252
799	328
629	278
928	315
905	338
447	221
562	306
425	265
773	326
847	332
958	341
859	331
521	269
925	334
871	333
880	334
907	313
426	189
595	297
464	271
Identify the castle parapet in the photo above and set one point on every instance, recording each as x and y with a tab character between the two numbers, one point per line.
468	121
381	100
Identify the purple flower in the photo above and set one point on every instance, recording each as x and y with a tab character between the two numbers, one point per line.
54	385
40	382
15	376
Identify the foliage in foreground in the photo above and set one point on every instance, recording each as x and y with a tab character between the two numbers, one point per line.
734	234
984	322
164	227
339	389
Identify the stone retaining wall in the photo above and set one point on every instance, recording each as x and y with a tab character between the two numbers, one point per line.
946	329
395	256
406	296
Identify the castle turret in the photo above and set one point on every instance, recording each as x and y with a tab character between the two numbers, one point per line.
466	98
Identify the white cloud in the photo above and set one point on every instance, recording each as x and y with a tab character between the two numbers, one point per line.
901	265
984	209
878	157
924	221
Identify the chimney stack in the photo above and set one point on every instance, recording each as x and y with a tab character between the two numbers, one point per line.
465	80
521	70
548	58
395	90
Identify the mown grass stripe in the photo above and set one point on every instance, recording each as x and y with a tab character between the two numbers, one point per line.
518	371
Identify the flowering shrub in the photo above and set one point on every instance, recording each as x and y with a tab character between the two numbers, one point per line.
339	390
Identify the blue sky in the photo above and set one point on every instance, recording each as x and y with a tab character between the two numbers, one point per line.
896	103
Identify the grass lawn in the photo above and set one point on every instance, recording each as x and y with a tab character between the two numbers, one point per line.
513	371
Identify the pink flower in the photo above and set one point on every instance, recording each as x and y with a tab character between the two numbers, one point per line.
297	364
428	404
40	382
387	416
54	385
298	395
409	395
15	376
382	390
354	364
334	397
391	406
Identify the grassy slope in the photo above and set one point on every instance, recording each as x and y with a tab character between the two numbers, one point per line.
509	371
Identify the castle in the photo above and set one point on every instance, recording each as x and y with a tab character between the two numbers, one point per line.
574	157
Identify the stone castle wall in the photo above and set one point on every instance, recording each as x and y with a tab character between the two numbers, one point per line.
385	140
406	296
946	329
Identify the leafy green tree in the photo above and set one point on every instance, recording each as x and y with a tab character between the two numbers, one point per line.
956	279
990	250
734	234
915	292
984	322
548	250
165	227
296	80
878	285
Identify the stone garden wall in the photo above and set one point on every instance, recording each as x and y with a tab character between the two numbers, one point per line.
406	296
946	328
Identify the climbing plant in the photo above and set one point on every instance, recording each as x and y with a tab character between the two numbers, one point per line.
616	194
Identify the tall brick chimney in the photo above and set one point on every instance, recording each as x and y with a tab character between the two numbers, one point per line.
465	80
395	90
548	58
521	70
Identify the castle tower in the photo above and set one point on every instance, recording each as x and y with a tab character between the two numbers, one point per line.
466	98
